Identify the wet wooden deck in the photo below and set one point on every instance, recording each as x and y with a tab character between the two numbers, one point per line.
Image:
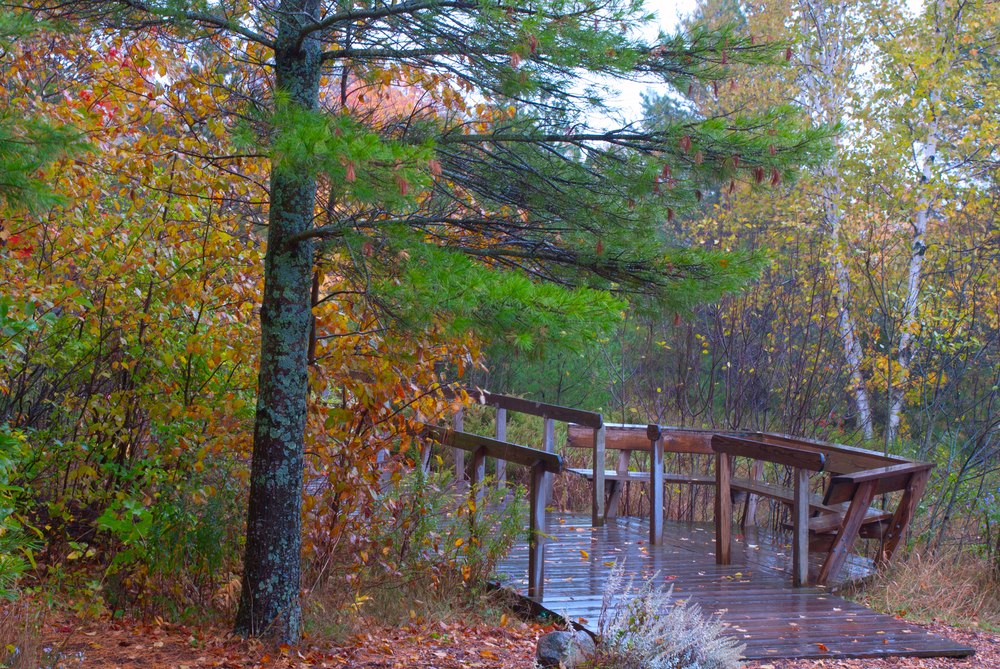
753	595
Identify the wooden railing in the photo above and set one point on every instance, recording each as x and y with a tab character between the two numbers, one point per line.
826	523
543	463
550	413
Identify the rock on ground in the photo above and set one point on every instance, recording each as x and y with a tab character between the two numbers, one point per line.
568	648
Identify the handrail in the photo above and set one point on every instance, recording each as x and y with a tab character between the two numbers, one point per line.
781	455
531	407
502	450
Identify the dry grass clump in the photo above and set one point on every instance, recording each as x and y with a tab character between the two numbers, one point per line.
956	587
20	634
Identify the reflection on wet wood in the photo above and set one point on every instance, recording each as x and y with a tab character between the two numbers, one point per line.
753	594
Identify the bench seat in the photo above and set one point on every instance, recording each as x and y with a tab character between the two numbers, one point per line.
643	477
780	493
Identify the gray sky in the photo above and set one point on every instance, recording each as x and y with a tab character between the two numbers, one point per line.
668	13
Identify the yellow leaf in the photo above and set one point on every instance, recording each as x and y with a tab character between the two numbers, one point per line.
458	542
585	554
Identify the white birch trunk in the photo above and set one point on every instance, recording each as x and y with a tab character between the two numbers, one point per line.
906	350
826	69
918	246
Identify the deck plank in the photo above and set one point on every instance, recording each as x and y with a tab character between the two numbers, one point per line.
753	595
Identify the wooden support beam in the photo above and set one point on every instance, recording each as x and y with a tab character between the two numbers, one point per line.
501	435
902	517
536	530
478	476
597	508
458	424
656	492
800	522
848	532
723	509
549	446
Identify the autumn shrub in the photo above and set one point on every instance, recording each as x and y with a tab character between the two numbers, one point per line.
430	549
949	585
651	630
16	542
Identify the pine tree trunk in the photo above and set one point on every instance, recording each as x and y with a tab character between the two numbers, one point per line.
269	602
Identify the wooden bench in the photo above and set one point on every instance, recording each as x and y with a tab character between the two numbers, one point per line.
833	522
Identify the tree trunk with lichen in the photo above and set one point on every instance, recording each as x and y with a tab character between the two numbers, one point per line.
269	601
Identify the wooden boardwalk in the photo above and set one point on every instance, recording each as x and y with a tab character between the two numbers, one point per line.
753	595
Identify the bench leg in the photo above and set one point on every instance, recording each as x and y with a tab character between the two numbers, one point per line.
723	510
848	532
901	517
614	489
615	495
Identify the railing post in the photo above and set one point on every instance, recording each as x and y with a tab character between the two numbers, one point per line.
425	457
598	506
656	491
501	435
800	522
549	446
478	491
457	453
723	509
536	529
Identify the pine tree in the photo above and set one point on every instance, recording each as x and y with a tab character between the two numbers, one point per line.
28	143
484	199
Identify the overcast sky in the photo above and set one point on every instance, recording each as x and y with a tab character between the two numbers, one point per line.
668	14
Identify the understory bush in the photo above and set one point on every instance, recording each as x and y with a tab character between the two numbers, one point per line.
16	543
651	630
428	550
